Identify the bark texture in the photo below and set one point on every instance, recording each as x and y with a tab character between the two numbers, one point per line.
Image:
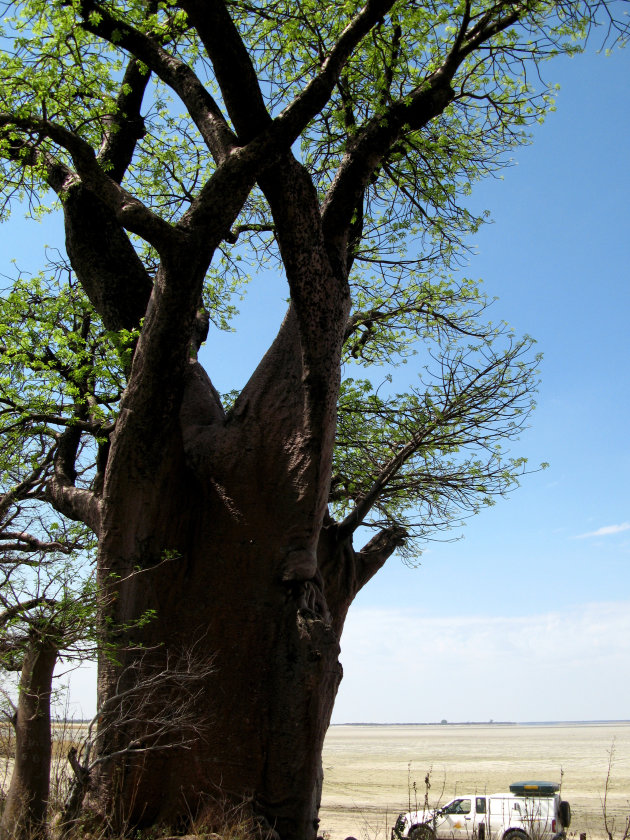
24	814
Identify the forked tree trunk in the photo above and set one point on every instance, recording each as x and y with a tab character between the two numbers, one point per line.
24	815
231	524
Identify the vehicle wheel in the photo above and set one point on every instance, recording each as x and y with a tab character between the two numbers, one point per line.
564	812
515	834
421	832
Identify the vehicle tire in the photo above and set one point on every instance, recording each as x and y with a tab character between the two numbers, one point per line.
421	832
515	834
564	812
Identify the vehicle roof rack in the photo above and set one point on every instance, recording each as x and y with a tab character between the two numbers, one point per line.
534	788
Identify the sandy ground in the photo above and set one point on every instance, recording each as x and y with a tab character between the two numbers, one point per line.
370	771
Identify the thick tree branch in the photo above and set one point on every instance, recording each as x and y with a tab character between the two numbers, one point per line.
129	211
101	254
202	108
377	551
307	104
372	143
239	82
232	65
74	502
125	126
344	571
366	152
103	258
316	284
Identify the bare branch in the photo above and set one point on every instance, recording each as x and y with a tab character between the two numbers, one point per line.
155	709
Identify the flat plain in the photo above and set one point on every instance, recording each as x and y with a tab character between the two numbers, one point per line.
370	771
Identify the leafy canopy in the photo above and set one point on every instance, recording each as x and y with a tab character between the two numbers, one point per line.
108	93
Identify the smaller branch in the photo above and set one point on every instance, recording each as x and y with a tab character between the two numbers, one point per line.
22	608
143	717
22	490
126	126
75	503
377	551
233	235
27	542
94	428
129	211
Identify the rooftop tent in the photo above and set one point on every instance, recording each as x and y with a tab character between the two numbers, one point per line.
534	788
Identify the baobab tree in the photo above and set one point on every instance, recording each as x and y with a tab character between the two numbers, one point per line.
336	145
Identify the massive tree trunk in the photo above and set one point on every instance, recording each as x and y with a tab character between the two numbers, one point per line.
231	519
215	528
263	712
24	814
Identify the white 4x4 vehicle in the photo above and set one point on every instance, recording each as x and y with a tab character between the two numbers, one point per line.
531	811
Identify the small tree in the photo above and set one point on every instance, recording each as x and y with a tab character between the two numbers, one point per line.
47	607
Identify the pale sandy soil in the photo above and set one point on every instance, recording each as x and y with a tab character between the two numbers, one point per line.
367	770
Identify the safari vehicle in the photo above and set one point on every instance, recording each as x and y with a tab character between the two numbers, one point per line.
530	811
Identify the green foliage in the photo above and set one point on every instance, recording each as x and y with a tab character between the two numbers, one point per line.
59	369
81	80
57	362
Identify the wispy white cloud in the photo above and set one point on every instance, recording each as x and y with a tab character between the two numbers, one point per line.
605	531
405	666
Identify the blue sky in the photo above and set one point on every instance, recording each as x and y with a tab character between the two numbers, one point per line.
528	616
536	597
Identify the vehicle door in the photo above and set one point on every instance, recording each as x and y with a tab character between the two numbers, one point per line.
456	820
481	823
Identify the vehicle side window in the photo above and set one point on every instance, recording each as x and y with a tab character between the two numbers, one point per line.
459	806
480	804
